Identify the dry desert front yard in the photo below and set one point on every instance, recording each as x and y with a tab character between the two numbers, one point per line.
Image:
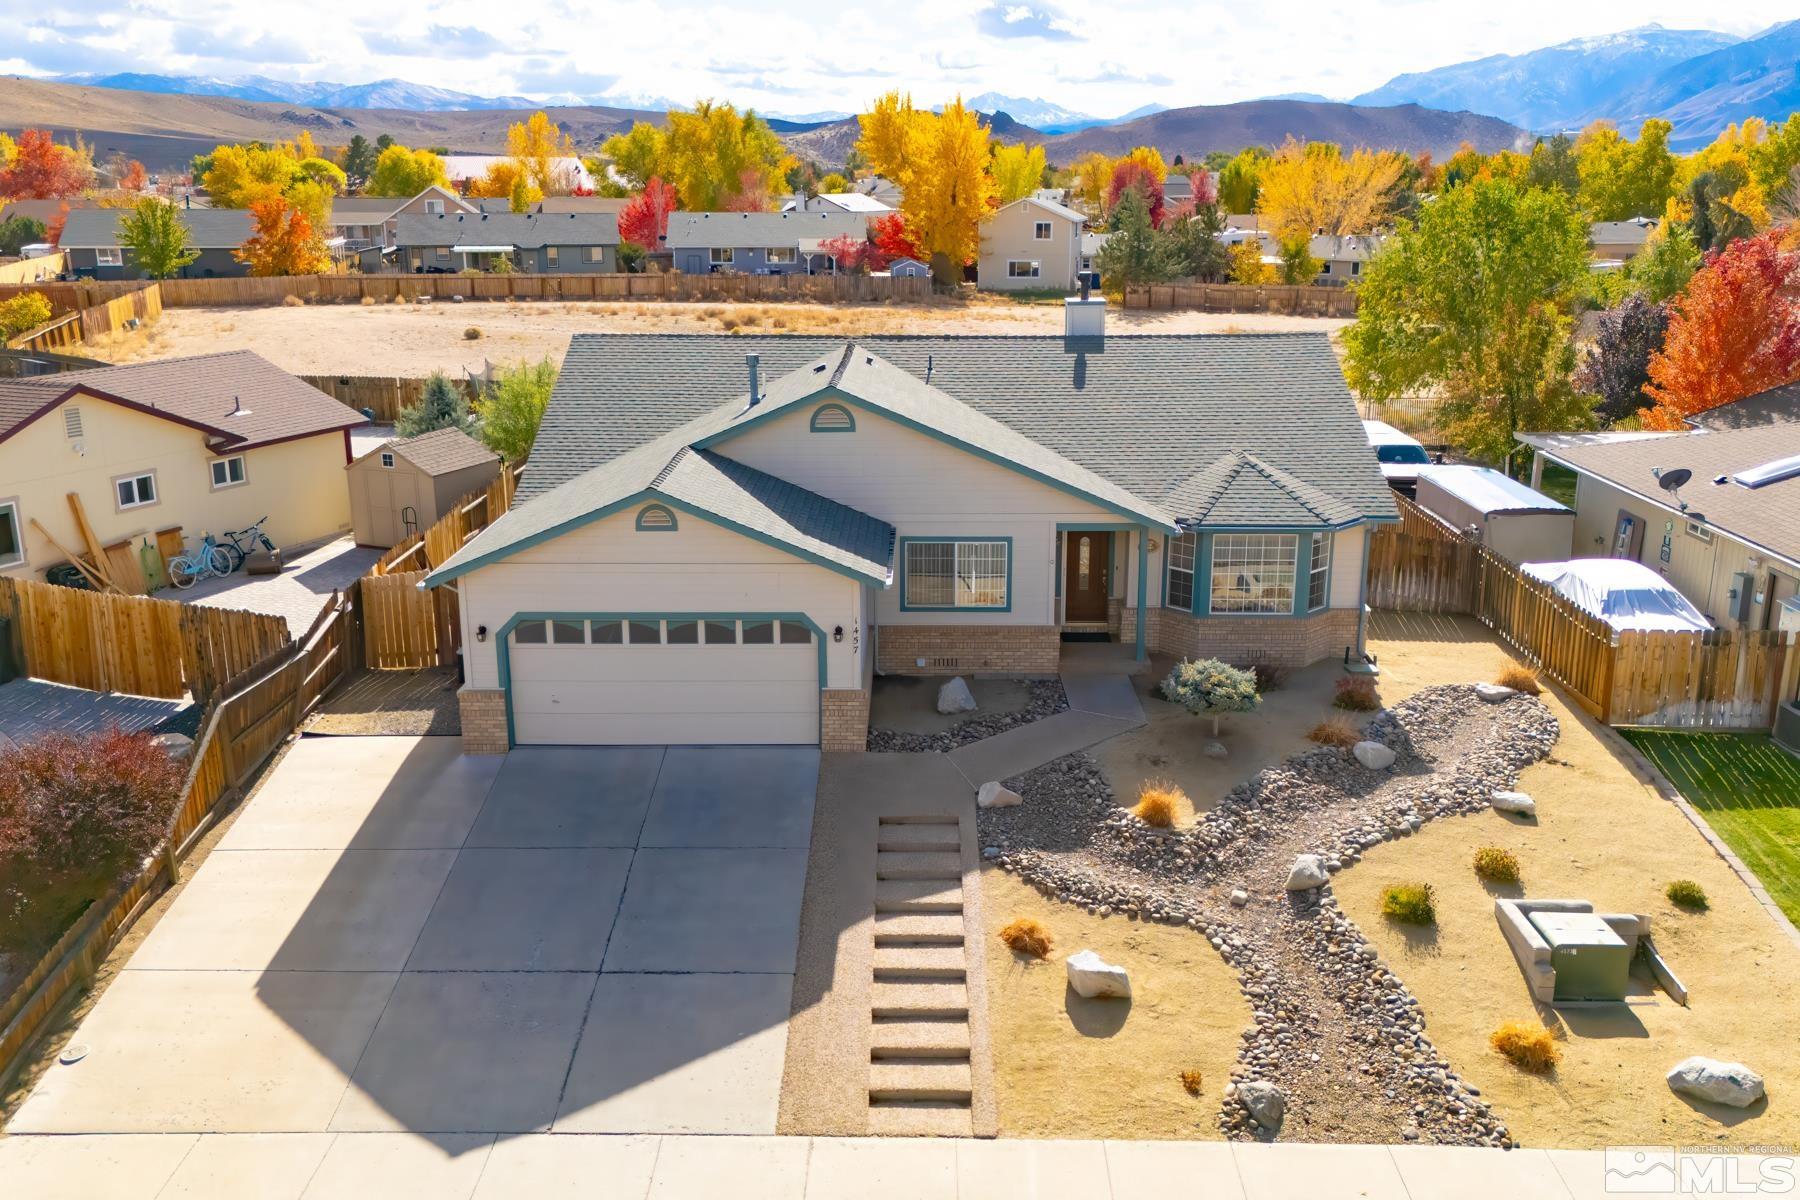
417	339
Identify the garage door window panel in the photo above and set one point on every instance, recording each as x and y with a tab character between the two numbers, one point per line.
645	633
795	634
568	633
721	633
684	633
606	633
530	633
759	633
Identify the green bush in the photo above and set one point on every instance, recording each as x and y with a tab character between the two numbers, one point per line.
1411	903
1687	894
1207	687
1496	865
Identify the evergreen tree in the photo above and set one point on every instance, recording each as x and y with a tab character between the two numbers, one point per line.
441	407
1133	254
359	158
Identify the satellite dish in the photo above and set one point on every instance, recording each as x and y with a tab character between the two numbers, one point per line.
1669	481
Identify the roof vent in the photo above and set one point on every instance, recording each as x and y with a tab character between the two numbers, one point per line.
753	362
1770	472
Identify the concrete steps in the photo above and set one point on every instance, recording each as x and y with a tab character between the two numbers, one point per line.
895	964
943	838
919	896
927	865
919	999
940	1080
917	1119
919	1039
918	929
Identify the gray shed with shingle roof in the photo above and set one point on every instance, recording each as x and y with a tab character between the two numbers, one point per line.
403	486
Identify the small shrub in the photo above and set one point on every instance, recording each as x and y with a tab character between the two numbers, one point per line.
1208	687
1335	732
1527	1045
1519	678
1026	936
472	334
1192	1081
1357	694
291	301
1156	803
1410	903
1496	865
1687	894
1269	677
368	301
25	311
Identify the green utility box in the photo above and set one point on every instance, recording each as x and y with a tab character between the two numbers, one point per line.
1591	961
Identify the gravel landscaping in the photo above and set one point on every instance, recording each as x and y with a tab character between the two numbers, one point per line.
1338	1038
1045	698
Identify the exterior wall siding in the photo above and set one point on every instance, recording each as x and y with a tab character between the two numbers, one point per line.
745	260
211	263
1008	235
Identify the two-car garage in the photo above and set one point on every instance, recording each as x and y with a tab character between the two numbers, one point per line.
654	679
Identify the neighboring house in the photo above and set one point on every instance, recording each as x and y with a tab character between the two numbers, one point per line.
908	268
91	249
571	174
404	485
42	210
582	204
1091	245
884	190
1729	538
365	222
207	444
854	202
711	545
1342	260
567	243
759	243
1030	245
1614	243
1773	407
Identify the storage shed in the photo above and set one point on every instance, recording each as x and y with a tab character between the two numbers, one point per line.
1499	512
403	486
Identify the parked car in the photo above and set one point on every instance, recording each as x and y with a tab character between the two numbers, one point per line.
1400	456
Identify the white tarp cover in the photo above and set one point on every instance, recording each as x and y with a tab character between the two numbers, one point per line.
1488	491
1626	595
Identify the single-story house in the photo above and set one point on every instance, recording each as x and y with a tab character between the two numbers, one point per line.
723	539
1728	537
1030	245
365	222
1618	242
536	243
758	243
855	202
91	248
1342	260
206	444
404	485
908	268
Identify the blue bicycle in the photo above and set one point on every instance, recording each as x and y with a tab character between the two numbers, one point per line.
207	562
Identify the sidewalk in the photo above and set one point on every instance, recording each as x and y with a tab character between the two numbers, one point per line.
316	1166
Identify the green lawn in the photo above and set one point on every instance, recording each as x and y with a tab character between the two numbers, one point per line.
1559	483
1748	788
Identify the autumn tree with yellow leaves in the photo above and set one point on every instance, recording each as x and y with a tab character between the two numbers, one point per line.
1018	171
715	157
1314	188
940	162
540	152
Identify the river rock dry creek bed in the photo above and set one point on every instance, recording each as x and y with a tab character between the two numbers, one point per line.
1334	1030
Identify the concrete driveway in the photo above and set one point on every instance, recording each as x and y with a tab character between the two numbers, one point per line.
393	937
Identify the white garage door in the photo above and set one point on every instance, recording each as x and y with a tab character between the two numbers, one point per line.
677	681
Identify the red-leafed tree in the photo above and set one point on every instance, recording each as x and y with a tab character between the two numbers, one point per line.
42	170
54	230
644	220
1734	332
851	254
752	193
1205	190
135	178
891	239
1131	175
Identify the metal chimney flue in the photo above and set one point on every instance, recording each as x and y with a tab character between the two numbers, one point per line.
753	362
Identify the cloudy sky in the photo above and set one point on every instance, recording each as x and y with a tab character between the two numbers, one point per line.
1097	56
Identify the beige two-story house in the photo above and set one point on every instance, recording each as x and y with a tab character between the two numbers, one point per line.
1031	245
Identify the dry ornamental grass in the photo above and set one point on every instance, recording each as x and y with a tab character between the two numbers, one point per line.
1025	936
1338	732
1192	1081
1158	801
1520	678
1527	1045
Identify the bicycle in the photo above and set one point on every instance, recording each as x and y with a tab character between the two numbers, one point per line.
241	543
208	562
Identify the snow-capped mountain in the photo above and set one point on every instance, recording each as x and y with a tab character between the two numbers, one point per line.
382	93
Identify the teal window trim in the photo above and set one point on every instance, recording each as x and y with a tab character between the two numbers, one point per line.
1296	603
503	643
651	516
952	540
832	412
1306	605
1155	518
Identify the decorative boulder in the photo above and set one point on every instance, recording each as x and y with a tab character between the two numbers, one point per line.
1493	693
1239	897
1264	1102
1517	803
1373	755
1716	1082
1214	750
1093	977
955	697
1309	872
995	795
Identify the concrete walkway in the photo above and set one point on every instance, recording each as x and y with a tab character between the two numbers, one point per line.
319	1166
1102	704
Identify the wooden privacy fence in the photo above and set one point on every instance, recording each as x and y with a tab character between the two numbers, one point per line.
133	644
666	285
255	713
1300	300
383	395
93	320
406	628
1720	679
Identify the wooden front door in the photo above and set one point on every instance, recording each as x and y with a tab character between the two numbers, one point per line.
1087	558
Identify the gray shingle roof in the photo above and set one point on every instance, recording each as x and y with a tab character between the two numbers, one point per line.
441	451
208	228
709	229
527	231
1777	405
1145	413
1241	489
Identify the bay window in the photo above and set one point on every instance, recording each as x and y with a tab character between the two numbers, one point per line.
1181	572
1253	572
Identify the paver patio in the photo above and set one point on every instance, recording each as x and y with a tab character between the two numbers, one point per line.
297	594
393	937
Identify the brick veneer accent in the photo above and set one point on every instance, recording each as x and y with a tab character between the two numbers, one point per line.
1290	642
844	720
483	720
971	649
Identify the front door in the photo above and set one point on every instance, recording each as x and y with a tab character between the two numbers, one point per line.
1087	557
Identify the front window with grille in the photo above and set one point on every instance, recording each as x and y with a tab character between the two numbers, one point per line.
1253	572
956	574
1181	571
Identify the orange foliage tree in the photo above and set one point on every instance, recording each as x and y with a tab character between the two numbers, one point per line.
42	170
284	242
1733	333
135	178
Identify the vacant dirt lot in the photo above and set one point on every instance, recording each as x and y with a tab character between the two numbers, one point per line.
416	339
